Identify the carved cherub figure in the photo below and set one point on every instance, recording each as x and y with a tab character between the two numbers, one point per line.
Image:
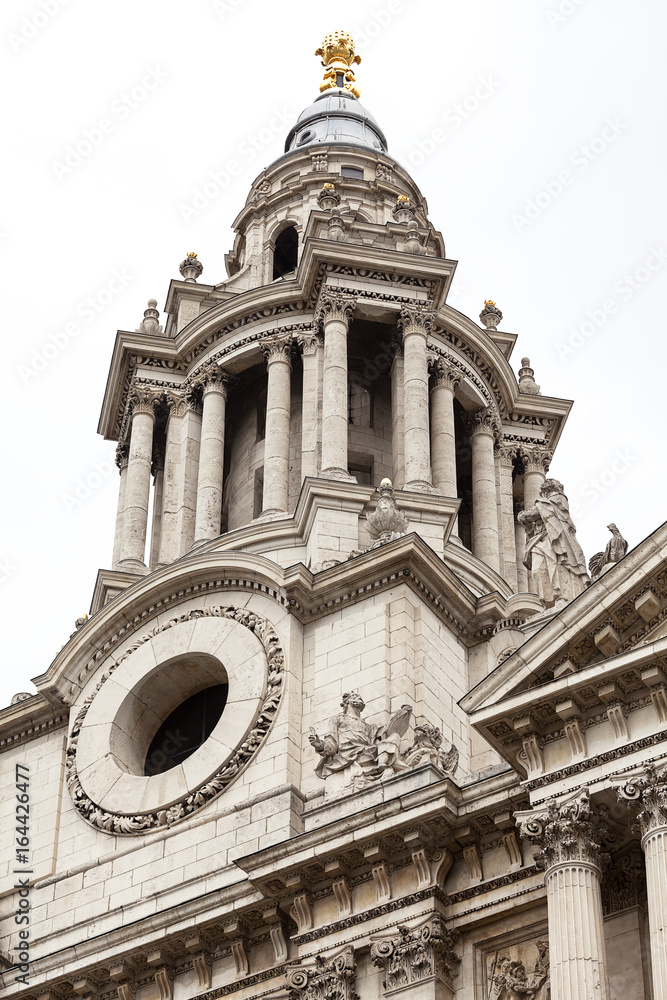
427	747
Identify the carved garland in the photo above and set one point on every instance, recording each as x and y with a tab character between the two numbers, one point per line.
124	824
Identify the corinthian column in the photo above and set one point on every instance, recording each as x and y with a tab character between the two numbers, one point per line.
416	323
536	462
334	313
122	454
310	345
211	454
137	483
181	469
505	456
397	416
446	378
649	792
483	425
277	352
571	835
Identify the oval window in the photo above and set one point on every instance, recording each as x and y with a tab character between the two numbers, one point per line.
185	729
305	137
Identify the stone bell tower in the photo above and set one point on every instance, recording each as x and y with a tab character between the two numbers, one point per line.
274	758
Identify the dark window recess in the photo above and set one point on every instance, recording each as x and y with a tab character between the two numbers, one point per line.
352	172
258	493
340	80
285	253
185	729
261	415
362	473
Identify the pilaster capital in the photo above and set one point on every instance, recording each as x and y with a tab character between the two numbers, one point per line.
536	458
122	454
416	954
180	402
506	452
570	831
483	421
443	372
142	400
277	348
329	979
333	305
648	793
416	318
308	343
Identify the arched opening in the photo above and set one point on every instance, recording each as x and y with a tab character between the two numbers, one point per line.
285	253
185	729
463	475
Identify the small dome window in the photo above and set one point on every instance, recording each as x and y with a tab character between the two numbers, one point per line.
305	137
355	172
286	252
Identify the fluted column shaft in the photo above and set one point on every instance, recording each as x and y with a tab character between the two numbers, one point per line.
310	348
334	313
483	426
397	419
536	465
277	433
505	459
211	456
137	485
122	453
416	322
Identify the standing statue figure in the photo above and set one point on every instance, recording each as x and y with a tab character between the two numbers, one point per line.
553	554
357	751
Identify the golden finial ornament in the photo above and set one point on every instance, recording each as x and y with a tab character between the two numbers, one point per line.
489	303
401	198
338	56
191	253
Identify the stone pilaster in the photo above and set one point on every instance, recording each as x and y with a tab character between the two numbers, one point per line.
397	417
311	345
649	794
445	379
505	455
334	312
277	352
122	455
483	426
214	383
328	979
138	483
418	962
571	835
416	322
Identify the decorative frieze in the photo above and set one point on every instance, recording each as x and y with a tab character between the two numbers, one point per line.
421	955
329	979
510	981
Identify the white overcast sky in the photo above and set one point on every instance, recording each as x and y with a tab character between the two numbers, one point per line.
535	129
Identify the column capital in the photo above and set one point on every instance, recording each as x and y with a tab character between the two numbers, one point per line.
308	343
536	458
506	452
122	454
331	978
142	400
277	348
416	318
483	421
416	954
333	305
180	402
648	792
571	831
211	377
443	372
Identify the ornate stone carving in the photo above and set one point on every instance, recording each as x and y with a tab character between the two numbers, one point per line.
336	227
21	696
329	979
624	884
355	753
211	374
527	381
648	792
490	315
509	980
613	553
302	912
308	343
383	172
277	348
142	400
261	190
570	831
413	241
334	305
416	955
151	321
535	459
416	318
427	747
120	823
386	522
404	210
328	198
338	57
553	554
483	421
320	162
444	373
191	268
122	454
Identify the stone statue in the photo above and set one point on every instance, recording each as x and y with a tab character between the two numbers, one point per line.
427	747
613	553
553	554
354	752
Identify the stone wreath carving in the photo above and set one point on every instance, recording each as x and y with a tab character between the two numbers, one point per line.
123	824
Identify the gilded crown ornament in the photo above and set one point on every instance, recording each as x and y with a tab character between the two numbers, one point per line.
338	56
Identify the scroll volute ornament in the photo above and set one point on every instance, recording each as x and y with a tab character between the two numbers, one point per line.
417	955
334	305
648	793
416	319
329	979
571	831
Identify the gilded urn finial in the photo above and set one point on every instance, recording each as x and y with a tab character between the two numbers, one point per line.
338	56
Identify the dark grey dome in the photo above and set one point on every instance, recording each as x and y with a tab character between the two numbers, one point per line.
336	116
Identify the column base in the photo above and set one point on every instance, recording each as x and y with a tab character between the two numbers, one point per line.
271	514
132	566
341	474
420	485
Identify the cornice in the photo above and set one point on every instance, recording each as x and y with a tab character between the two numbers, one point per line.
27	720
